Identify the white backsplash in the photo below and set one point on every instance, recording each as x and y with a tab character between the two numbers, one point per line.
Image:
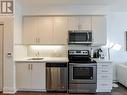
22	51
47	51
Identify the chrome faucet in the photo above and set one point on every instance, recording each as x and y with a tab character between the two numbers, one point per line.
37	54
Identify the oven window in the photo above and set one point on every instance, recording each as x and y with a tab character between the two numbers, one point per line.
83	73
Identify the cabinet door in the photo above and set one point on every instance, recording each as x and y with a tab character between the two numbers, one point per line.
85	23
45	30
29	30
73	23
99	30
60	30
23	76
38	76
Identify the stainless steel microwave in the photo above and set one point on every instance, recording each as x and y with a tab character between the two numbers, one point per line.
80	37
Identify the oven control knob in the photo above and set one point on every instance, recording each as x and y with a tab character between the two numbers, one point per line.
71	52
83	52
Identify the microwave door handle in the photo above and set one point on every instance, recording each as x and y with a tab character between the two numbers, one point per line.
88	36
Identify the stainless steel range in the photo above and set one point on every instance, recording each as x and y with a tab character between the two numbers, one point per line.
82	72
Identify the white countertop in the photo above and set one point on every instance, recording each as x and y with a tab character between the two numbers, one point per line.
45	59
102	60
55	59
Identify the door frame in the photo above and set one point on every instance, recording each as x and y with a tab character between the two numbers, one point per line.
1	24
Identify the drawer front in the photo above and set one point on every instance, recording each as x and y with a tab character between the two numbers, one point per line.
104	77
104	85
104	71
104	66
103	90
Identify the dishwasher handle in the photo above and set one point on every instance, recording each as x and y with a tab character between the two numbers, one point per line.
56	64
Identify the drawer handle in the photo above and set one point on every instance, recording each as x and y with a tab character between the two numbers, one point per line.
104	71
105	65
104	84
104	76
31	66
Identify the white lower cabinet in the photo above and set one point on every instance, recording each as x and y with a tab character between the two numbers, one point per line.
104	77
30	76
23	76
38	76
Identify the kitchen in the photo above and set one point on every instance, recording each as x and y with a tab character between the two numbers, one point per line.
55	46
39	40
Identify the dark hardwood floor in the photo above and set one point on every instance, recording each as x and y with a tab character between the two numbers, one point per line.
121	90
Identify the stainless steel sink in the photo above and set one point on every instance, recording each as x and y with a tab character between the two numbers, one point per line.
36	58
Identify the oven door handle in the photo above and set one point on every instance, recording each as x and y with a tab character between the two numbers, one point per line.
80	65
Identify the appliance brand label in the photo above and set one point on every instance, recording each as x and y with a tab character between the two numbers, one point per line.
6	7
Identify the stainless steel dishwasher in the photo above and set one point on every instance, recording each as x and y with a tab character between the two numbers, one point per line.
56	76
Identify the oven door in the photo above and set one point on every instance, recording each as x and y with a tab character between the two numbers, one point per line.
82	73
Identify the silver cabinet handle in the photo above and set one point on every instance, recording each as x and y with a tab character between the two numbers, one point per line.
105	65
35	40
38	40
31	66
88	36
28	66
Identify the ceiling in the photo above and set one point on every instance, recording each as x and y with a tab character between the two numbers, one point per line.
36	3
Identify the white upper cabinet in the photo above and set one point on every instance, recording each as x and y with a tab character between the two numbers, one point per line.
37	30
54	29
73	22
44	30
99	30
79	23
85	23
29	30
60	30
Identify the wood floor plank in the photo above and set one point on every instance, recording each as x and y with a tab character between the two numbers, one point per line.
121	90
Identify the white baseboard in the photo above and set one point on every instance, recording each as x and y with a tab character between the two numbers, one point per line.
25	89
9	90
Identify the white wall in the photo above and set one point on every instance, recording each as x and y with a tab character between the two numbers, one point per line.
65	10
117	25
18	24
